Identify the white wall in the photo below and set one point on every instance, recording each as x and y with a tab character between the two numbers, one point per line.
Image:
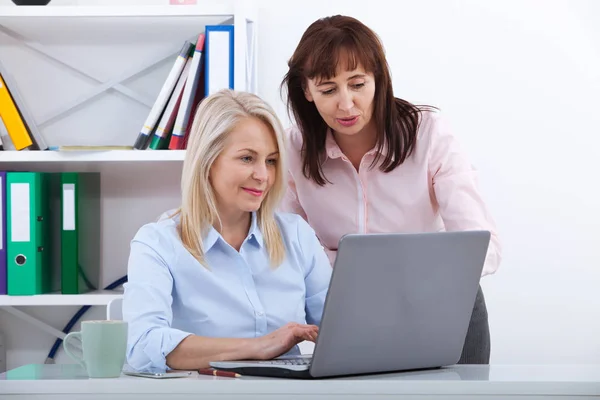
519	81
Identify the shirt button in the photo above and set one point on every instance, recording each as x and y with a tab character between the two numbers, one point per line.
260	313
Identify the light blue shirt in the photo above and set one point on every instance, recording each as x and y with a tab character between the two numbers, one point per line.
170	295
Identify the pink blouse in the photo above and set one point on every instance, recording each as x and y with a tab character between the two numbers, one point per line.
435	189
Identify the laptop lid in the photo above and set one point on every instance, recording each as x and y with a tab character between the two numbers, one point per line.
399	301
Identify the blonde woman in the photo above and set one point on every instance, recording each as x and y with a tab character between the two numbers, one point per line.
225	277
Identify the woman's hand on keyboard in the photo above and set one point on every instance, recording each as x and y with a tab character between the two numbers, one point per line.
284	339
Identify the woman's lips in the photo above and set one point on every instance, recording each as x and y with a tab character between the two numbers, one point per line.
347	121
254	192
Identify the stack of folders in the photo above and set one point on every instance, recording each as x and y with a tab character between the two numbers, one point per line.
18	130
49	232
200	69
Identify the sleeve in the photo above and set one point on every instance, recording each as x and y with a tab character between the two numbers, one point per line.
456	190
317	272
147	304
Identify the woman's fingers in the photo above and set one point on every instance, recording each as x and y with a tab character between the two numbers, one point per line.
306	332
286	337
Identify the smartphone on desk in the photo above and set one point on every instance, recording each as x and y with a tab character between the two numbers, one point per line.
159	375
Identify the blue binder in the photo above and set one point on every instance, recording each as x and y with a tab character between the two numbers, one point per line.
3	231
219	55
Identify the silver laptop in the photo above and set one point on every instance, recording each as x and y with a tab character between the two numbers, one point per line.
396	302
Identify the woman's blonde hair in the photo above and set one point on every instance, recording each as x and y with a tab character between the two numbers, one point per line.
216	116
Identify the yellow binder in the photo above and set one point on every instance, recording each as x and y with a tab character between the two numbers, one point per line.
12	120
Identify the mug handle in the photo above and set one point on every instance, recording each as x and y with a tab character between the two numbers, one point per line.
77	355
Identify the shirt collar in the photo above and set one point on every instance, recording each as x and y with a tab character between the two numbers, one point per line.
333	150
210	239
331	147
254	235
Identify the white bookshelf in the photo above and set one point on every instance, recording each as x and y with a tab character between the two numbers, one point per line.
127	156
95	298
207	8
50	44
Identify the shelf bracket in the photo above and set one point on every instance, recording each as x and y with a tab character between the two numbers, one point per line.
94	92
34	321
40	324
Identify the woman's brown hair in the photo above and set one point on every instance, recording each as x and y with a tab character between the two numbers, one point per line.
318	56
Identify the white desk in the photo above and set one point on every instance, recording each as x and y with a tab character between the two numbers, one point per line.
457	382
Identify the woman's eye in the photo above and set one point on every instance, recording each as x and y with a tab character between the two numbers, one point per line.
328	91
358	85
272	161
246	159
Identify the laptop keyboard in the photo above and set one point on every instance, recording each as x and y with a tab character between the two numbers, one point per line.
293	361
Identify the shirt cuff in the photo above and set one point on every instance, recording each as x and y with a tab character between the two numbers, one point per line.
157	344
